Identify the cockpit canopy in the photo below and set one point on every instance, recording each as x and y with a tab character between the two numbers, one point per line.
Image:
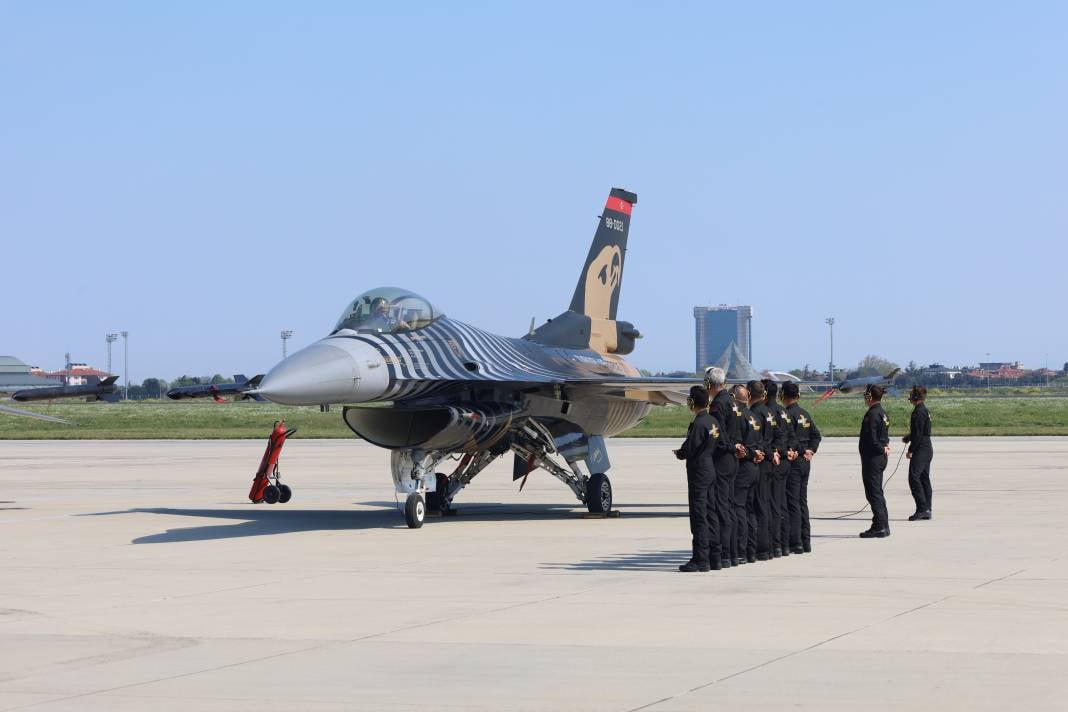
387	310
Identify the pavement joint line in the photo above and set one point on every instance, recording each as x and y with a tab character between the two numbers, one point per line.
318	646
820	643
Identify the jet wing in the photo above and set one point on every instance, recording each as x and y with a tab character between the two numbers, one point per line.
30	414
657	391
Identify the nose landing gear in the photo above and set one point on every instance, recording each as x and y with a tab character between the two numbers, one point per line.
267	484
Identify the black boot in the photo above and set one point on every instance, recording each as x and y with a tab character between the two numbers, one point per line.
875	534
690	566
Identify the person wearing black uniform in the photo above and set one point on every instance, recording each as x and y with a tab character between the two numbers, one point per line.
764	422
874	451
749	455
726	459
698	451
807	438
787	449
920	453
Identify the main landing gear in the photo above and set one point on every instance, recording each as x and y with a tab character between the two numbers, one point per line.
267	484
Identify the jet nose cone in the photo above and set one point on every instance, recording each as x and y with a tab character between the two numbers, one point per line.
318	374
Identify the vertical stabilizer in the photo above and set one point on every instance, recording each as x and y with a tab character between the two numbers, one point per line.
597	291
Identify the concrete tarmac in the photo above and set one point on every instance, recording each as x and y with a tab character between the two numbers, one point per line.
136	575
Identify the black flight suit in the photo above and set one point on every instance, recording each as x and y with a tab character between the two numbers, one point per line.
919	440
780	515
874	436
808	437
765	424
745	511
730	426
698	451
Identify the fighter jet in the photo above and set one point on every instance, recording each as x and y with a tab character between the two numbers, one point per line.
93	389
851	384
440	393
240	388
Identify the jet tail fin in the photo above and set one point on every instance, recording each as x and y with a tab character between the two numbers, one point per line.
597	292
590	321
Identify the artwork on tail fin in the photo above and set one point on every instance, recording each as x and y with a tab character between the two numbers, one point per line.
597	291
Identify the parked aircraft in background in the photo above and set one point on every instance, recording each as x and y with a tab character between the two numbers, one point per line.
239	388
93	389
852	384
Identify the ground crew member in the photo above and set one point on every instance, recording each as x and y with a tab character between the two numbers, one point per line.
920	453
749	455
729	419
874	451
808	438
698	451
764	423
787	448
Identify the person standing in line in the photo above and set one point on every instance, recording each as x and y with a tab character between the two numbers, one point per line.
697	451
920	453
764	422
808	438
787	449
874	450
750	456
726	459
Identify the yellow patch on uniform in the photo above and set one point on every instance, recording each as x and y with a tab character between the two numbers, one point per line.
714	432
886	421
753	423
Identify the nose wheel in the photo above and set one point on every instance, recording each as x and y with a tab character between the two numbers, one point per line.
414	510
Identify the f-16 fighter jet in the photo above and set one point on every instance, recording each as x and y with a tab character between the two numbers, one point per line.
239	389
851	384
93	389
437	391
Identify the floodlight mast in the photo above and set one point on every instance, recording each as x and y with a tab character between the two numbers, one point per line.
286	335
125	366
830	364
110	338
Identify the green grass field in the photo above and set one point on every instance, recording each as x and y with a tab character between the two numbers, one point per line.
952	415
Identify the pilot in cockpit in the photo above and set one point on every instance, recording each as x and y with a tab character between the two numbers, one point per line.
382	320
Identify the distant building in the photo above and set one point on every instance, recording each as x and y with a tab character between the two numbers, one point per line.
937	369
16	375
717	328
75	374
993	366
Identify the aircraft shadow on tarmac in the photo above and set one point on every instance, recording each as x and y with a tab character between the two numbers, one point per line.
262	521
667	560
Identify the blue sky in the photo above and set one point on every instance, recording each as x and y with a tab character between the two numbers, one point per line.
204	175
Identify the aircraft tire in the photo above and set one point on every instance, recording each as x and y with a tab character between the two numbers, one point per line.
271	494
284	493
599	494
414	510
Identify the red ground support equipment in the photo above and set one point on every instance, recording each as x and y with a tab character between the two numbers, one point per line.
267	485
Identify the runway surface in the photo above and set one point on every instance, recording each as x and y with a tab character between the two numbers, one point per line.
135	575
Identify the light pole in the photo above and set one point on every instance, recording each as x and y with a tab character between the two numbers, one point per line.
830	364
110	338
125	366
286	334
